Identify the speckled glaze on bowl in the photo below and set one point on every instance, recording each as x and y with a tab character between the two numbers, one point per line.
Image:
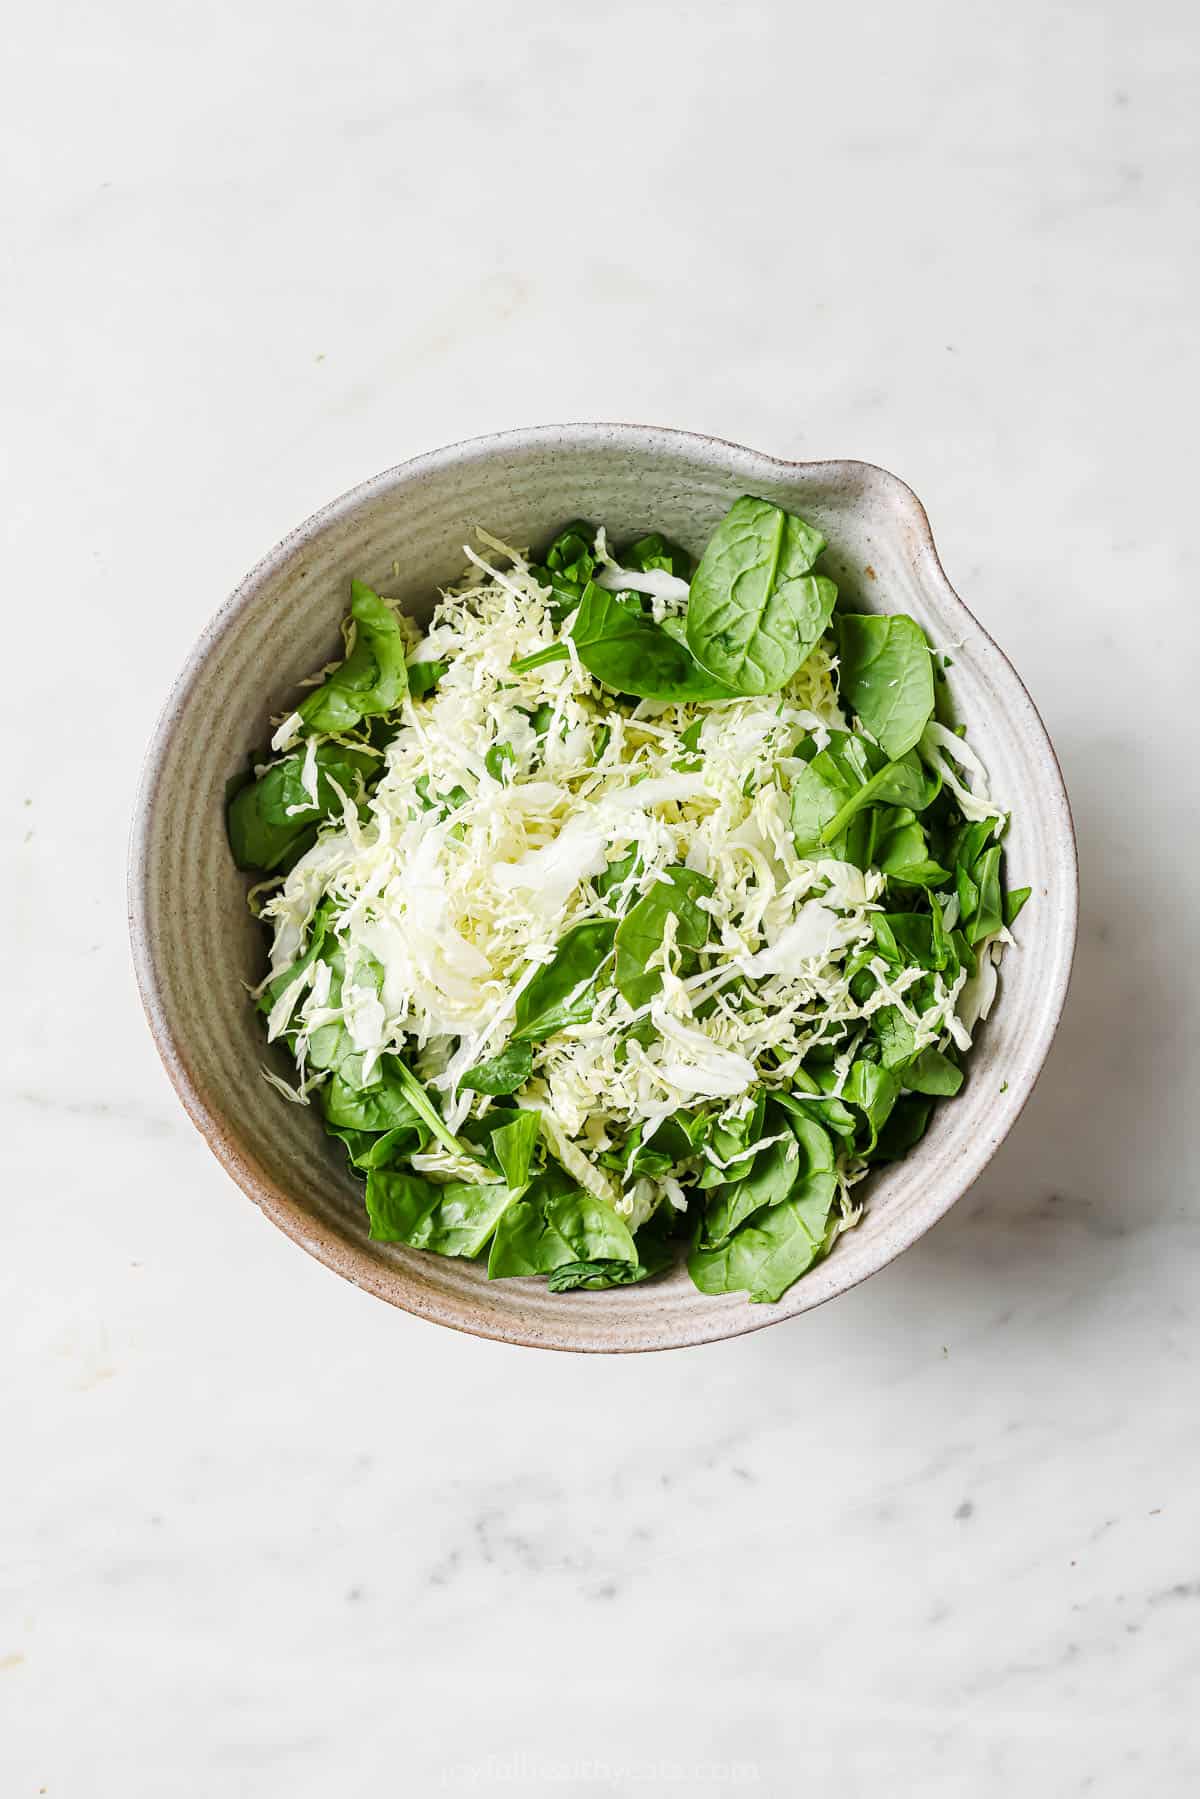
194	943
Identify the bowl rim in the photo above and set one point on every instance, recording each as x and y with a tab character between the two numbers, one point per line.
326	1244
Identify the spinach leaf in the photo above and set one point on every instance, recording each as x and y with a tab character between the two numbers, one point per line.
886	675
874	1090
452	1219
819	791
279	984
555	1223
592	1277
826	1110
564	991
780	1171
499	761
368	1149
1014	902
571	554
769	1181
374	676
905	1127
513	1146
894	1035
835	785
755	611
919	937
381	1107
553	652
274	818
902	852
988	912
728	1143
655	1251
767	1255
423	677
640	933
656	551
931	1072
501	1074
616	872
623	647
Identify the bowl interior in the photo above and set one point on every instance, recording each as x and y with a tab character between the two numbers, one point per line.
195	943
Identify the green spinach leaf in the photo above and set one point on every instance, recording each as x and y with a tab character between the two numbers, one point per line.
274	817
623	647
640	933
564	991
1014	902
756	611
773	1250
656	551
555	1223
501	1074
886	675
513	1146
453	1219
374	676
931	1072
423	677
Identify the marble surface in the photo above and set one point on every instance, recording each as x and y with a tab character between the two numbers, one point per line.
258	1534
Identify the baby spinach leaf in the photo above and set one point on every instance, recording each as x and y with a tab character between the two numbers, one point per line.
874	1090
452	1219
905	1127
564	991
826	1110
571	553
988	914
755	611
640	933
499	762
919	937
818	794
279	984
767	1255
374	676
655	1251
553	652
369	1149
513	1146
728	1143
886	675
894	1035
275	817
616	872
555	1223
501	1074
656	551
623	647
904	782
770	1180
423	677
780	1171
931	1072
1013	903
383	1106
902	852
592	1277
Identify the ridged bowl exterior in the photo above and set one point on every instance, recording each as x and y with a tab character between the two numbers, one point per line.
194	943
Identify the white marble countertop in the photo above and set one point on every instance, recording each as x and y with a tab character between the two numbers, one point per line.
262	1536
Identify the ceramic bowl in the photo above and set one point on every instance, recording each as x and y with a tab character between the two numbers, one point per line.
194	942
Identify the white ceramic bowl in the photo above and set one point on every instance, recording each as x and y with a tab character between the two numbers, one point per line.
194	943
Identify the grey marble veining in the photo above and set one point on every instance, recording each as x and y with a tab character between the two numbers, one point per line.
261	1536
